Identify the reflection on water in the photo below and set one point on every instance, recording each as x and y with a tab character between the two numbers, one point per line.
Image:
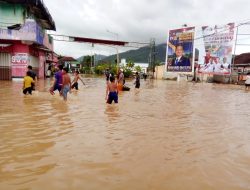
167	135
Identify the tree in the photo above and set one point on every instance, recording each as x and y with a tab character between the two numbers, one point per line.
86	62
130	64
101	68
158	63
138	69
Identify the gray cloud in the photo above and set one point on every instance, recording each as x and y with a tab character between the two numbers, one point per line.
136	20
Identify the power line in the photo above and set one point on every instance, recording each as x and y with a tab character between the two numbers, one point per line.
204	36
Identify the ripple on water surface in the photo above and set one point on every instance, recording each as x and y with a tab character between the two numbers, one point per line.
167	135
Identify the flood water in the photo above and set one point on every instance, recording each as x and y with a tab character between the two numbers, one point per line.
167	135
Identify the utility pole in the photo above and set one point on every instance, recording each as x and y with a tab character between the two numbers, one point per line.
117	51
232	65
152	56
117	59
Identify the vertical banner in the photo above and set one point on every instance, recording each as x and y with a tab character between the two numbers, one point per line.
19	63
180	50
218	45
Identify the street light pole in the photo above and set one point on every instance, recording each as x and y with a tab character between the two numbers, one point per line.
116	34
117	51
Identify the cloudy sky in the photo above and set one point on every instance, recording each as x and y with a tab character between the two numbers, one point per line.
139	20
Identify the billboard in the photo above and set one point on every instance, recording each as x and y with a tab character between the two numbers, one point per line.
216	53
180	50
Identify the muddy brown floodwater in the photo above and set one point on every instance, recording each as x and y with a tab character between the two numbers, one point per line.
168	135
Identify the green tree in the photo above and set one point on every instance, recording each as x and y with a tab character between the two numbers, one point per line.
127	72
87	61
158	62
138	69
101	68
130	64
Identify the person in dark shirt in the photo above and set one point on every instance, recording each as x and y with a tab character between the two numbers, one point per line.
137	80
58	81
33	76
180	59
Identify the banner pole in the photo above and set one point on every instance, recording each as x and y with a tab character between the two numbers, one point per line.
235	45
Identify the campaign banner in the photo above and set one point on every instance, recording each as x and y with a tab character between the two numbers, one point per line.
216	55
180	50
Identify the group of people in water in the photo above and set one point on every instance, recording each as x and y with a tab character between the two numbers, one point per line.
63	83
115	86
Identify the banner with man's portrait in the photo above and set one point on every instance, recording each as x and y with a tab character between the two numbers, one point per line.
180	50
216	54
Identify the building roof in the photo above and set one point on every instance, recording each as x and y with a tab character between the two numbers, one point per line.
38	8
242	59
63	59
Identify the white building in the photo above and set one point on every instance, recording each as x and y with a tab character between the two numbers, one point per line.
143	66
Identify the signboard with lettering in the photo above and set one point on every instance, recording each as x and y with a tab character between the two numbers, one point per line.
19	63
180	50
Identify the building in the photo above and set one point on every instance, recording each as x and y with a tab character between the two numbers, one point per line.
71	63
242	63
23	38
242	66
143	66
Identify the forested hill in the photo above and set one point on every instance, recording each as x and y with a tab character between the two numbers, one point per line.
141	55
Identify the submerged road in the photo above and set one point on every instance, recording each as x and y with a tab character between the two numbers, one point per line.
167	135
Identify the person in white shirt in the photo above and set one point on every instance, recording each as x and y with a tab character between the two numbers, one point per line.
247	82
208	68
217	67
225	64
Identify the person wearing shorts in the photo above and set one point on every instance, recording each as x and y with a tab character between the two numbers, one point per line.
65	91
66	83
75	81
58	81
247	82
111	91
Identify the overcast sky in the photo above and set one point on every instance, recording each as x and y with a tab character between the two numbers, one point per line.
138	20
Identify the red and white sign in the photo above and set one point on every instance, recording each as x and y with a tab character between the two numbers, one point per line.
19	63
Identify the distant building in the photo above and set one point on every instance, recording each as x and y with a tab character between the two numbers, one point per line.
242	65
71	63
23	38
242	62
144	66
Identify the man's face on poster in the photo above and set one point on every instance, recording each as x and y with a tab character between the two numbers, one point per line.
179	51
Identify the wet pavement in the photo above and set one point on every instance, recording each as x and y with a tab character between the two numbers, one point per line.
167	135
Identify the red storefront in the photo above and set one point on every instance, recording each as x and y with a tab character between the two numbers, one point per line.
27	45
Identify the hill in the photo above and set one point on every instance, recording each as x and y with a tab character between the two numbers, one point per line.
141	55
98	57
